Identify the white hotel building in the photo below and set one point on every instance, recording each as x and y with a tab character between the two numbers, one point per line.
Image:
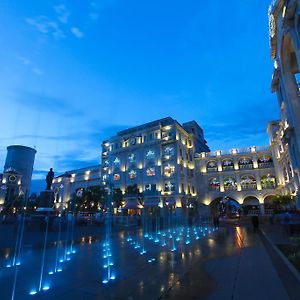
157	157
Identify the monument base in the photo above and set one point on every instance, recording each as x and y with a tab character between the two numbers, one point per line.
46	199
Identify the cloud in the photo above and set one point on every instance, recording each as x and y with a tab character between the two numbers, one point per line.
46	26
37	71
76	32
62	13
44	102
27	62
24	60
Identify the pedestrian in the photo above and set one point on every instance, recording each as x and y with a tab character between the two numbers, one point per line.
255	223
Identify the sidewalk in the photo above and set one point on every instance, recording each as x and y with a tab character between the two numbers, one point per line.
241	268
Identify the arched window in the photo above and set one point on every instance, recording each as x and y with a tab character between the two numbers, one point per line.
248	182
227	164
268	181
230	183
265	161
212	166
245	163
214	184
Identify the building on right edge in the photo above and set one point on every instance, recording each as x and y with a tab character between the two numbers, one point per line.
284	22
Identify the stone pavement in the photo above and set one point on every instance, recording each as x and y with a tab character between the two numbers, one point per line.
240	268
232	263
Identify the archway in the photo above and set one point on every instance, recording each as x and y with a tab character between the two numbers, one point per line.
225	207
270	204
251	205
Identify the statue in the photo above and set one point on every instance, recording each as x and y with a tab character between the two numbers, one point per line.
49	179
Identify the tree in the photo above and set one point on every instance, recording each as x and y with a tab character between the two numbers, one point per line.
90	200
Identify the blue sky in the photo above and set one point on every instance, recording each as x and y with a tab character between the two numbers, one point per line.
74	72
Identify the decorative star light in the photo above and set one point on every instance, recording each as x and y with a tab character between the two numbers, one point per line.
117	161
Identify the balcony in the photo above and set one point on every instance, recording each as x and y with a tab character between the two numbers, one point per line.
214	188
214	169
246	166
228	168
249	186
266	186
265	165
230	187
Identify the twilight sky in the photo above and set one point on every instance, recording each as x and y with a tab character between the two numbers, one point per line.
74	72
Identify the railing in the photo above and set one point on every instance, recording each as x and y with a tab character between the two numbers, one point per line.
226	168
214	188
230	187
234	151
268	186
249	186
215	169
246	167
265	165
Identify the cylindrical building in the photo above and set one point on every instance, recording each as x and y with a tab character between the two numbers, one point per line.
21	159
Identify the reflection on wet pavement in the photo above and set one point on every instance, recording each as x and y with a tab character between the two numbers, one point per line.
157	273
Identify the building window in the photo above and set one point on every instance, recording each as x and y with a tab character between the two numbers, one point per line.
150	154
245	163
265	161
214	184
230	183
150	171
212	166
169	152
227	164
182	188
248	183
169	170
169	186
150	188
117	161
131	158
268	182
117	177
150	136
132	174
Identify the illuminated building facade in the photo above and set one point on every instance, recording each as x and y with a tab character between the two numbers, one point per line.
244	175
74	182
158	159
284	20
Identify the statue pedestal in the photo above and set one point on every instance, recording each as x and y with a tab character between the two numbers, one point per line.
46	199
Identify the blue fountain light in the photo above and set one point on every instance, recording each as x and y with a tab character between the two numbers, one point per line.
51	273
105	281
46	287
8	266
32	292
61	260
59	270
18	263
112	277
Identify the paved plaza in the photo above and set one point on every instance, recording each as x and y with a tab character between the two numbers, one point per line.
229	263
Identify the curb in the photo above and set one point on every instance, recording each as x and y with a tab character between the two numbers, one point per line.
290	266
